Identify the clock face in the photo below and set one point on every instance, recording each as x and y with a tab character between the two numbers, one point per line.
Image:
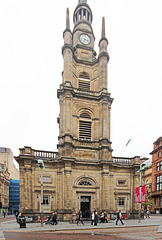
85	39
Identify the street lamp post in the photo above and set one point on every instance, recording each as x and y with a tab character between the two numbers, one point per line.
41	166
140	195
142	168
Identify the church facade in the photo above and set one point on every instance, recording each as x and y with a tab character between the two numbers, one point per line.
82	175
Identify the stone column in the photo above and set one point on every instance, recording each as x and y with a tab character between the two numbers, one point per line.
59	192
68	113
105	126
67	189
105	191
105	187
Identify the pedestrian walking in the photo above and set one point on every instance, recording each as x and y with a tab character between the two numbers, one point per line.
80	218
119	217
105	217
92	218
102	217
73	217
16	215
95	219
147	214
54	218
4	214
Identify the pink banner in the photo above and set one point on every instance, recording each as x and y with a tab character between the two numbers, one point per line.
137	195
143	194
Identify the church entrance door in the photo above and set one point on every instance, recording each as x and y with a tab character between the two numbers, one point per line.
85	206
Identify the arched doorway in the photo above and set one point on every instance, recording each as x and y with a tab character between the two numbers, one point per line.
85	206
86	193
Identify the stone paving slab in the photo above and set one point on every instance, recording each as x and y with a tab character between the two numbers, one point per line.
1	234
160	228
64	226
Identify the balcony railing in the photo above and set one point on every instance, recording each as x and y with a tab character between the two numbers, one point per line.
122	161
45	154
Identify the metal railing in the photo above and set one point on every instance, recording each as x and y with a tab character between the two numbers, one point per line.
122	161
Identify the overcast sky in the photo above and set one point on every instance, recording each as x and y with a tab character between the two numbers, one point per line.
31	63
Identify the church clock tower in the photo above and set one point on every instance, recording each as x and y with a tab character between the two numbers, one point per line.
82	175
85	103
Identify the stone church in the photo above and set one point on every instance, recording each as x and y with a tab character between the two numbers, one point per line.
82	175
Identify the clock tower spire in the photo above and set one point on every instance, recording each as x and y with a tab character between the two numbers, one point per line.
85	103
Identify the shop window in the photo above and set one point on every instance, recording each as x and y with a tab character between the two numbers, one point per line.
160	200
156	201
159	183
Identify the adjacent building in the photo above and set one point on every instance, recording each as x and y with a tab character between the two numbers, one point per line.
4	188
6	158
8	171
156	192
83	174
147	180
14	199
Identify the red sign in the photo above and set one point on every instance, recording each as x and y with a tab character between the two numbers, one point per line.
137	195
143	194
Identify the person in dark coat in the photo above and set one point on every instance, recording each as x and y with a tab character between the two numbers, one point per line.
80	218
95	219
119	217
54	218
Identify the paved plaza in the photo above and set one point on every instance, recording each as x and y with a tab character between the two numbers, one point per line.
10	225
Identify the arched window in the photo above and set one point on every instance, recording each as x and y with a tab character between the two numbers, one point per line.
85	125
85	183
84	82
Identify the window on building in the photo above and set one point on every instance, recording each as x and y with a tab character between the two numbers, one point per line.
159	154
85	183
88	16
157	167
80	13
156	201
84	82
46	179
46	199
121	182
160	200
121	201
85	126
84	14
160	165
159	183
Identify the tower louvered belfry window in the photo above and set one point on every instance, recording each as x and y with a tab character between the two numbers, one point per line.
84	82
85	125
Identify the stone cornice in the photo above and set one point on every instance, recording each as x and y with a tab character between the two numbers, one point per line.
84	61
67	46
103	39
82	94
104	54
66	30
